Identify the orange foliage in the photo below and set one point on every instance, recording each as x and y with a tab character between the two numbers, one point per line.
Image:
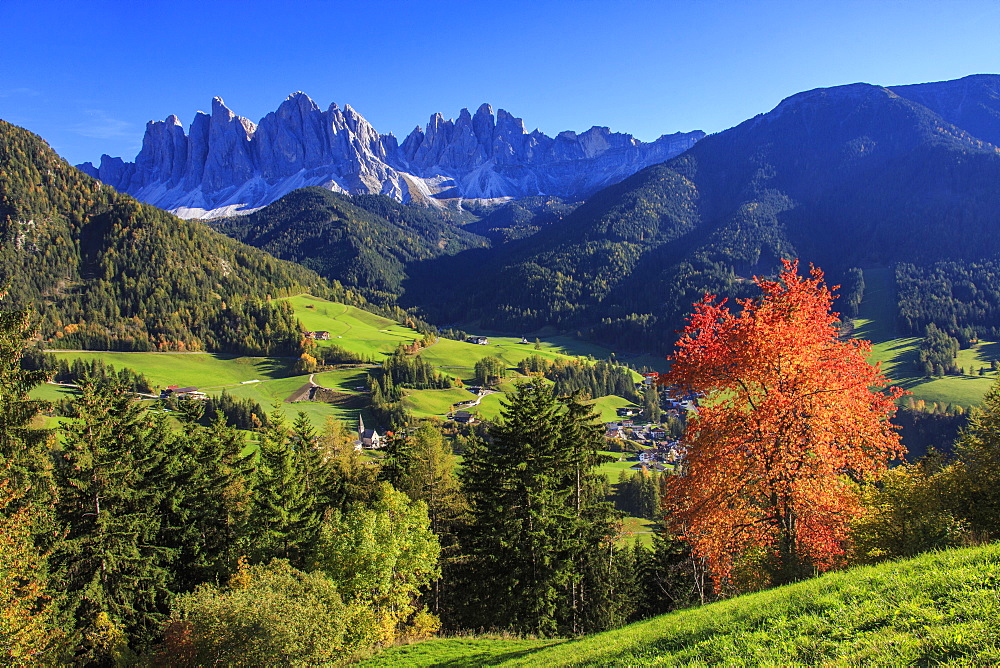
791	418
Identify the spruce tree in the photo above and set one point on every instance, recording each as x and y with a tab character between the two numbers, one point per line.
22	447
206	520
27	606
539	518
594	603
113	480
286	509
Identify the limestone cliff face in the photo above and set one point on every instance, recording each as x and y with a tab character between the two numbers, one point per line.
225	164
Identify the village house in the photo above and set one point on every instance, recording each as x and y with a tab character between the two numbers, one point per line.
177	392
650	466
464	417
478	340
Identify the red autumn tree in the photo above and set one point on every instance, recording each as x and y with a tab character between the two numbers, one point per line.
791	418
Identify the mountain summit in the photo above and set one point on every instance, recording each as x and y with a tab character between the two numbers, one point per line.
227	164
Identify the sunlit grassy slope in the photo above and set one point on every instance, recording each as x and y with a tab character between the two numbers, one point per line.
940	608
203	370
898	355
269	381
366	334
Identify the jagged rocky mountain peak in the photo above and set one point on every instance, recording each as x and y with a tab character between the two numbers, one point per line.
297	102
227	164
219	108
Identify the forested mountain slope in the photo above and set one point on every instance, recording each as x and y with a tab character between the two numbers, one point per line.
364	241
972	103
105	271
848	176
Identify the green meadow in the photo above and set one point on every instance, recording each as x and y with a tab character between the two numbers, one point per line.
269	381
202	370
458	358
266	380
898	356
366	334
607	407
49	392
613	469
436	403
637	530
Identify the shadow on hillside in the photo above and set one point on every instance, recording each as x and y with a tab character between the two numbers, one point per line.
903	343
491	658
989	351
276	367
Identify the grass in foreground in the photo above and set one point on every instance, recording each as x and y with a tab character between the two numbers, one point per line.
460	651
940	608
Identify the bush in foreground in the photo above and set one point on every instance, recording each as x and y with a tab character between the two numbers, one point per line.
271	615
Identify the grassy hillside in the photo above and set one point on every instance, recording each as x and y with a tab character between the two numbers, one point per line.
365	334
938	608
271	380
266	380
898	355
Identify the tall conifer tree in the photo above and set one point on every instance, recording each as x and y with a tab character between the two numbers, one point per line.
286	508
113	481
537	518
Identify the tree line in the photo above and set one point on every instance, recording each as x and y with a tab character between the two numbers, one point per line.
962	298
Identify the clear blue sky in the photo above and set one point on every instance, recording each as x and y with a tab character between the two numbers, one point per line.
87	75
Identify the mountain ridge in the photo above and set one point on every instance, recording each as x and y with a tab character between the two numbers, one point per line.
850	176
226	164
